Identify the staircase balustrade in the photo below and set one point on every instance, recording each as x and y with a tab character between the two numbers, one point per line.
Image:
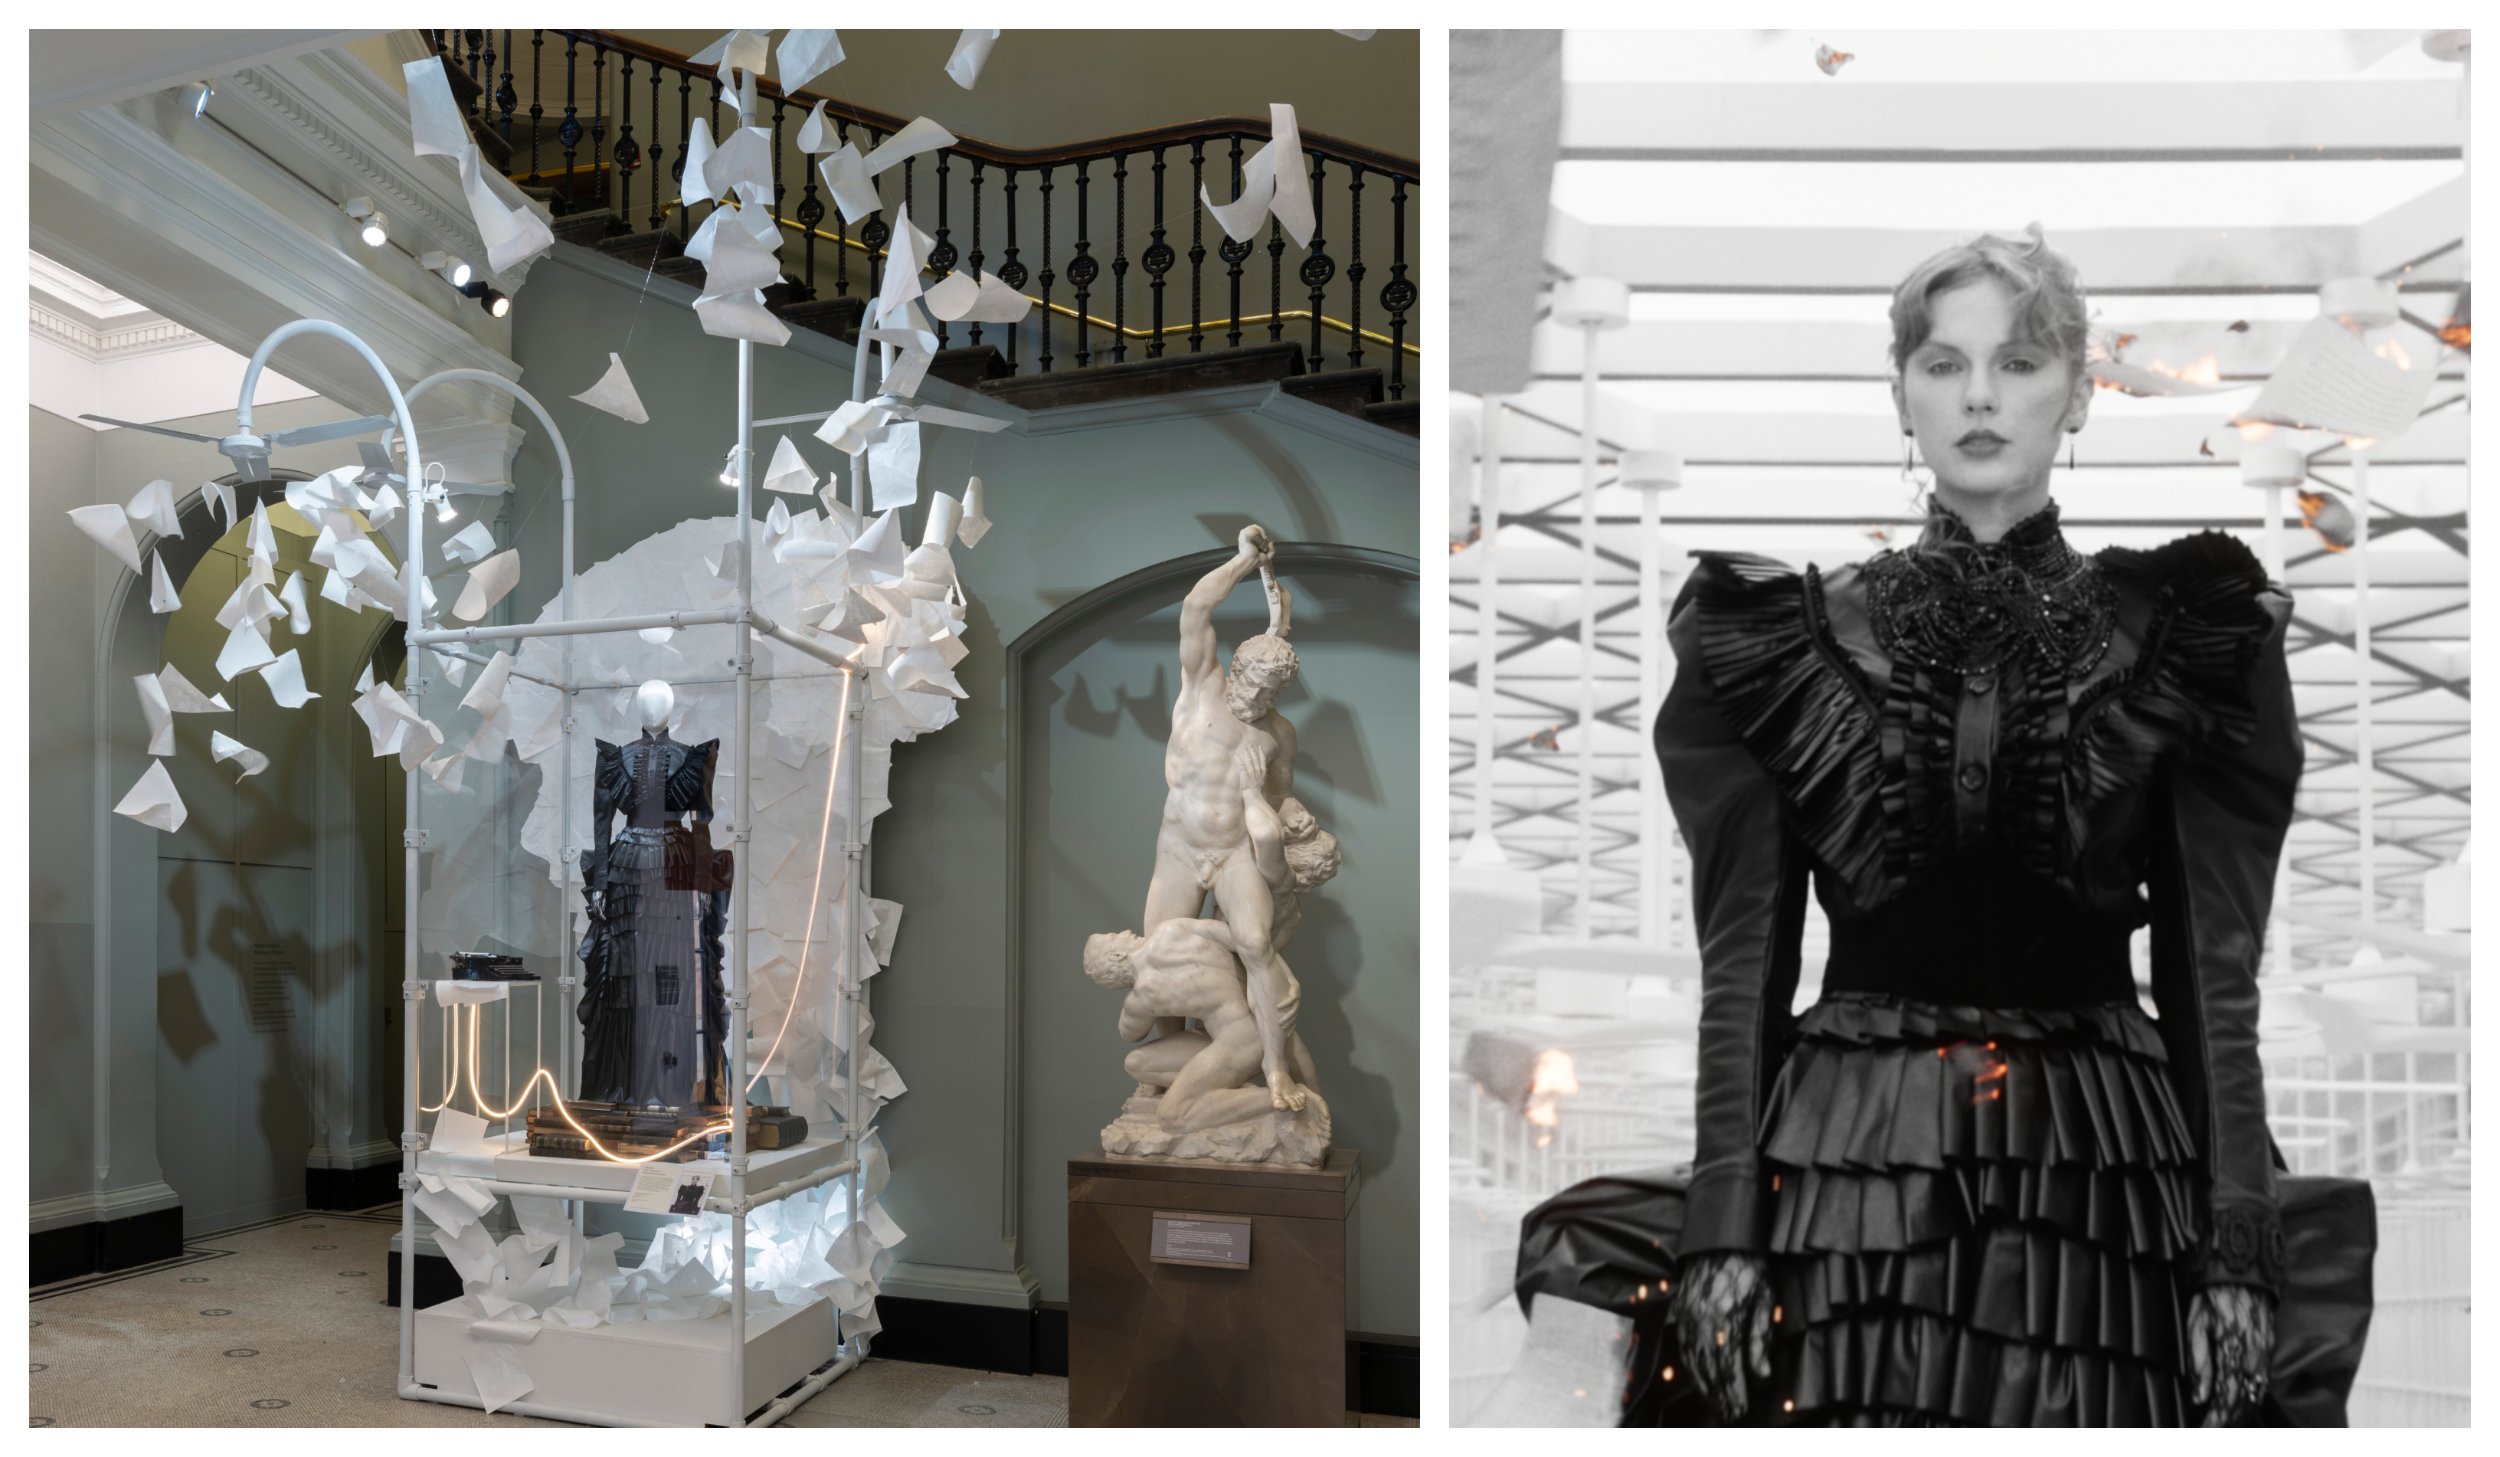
1004	196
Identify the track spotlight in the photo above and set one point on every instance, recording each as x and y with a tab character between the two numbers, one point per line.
196	96
729	469
494	303
372	226
455	271
443	511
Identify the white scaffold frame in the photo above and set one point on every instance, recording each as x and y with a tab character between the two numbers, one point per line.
739	1200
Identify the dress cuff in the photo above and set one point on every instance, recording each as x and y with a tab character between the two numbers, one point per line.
2243	1247
1728	1208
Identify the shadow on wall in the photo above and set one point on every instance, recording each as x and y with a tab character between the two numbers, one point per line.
1094	689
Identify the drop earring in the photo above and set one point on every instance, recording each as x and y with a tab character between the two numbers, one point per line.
2070	452
1906	466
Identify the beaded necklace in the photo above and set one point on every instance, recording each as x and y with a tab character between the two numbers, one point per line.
1960	605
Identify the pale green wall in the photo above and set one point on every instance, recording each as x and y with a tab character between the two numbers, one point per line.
1074	510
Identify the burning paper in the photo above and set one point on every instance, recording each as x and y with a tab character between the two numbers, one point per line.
225	747
1830	61
2157	380
804	56
153	802
2331	381
614	393
109	527
487	584
161	594
972	52
1273	181
976	522
285	677
473	543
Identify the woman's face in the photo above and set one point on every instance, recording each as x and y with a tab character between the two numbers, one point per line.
1989	406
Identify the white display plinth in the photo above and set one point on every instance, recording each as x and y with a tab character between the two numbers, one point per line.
767	1169
670	1373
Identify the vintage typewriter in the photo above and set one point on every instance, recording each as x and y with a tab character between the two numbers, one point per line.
636	1132
488	966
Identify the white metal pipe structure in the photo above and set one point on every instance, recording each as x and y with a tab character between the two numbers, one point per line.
1488	617
2361	706
1653	890
707	617
1591	305
735	1094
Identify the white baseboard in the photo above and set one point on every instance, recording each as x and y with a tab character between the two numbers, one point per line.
98	1207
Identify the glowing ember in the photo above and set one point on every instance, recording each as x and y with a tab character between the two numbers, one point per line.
2207	371
2253	431
2328	518
2457	336
1831	60
2393	351
1556	1078
2205	448
2238	326
1549	738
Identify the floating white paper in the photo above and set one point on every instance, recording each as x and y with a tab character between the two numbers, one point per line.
741	316
815	138
976	522
2329	380
109	527
879	549
964	298
513	235
245	651
945	515
298	612
446	770
221	496
487	584
917	135
472	543
736	261
846	177
789	473
847	429
804	56
364	680
972	52
614	393
486	694
161	594
434	119
744	161
697	156
224	747
160	717
153	508
894	465
153	802
500	1377
181	697
285	677
740	50
261	539
1271	181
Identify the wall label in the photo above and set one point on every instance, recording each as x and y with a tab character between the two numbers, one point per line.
1194	1239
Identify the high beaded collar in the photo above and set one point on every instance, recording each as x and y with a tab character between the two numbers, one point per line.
2033	546
1963	605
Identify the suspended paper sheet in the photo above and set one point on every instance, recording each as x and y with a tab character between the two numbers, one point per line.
945	515
789	473
109	527
2330	380
804	56
963	298
847	429
262	540
815	136
487	584
917	136
226	748
740	50
1274	182
159	715
285	678
741	164
161	594
735	262
153	802
846	177
153	508
446	771
972	52
894	466
470	544
434	120
221	497
486	694
976	522
298	611
614	393
245	651
181	697
513	234
697	158
741	316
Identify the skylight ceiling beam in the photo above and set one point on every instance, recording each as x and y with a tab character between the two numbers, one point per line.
2156	120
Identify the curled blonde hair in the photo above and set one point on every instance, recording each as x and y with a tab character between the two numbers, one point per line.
2048	295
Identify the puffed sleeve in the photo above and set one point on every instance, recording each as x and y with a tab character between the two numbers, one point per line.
690	783
609	785
2222	807
1749	887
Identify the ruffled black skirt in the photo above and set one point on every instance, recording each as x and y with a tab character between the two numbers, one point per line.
1975	1218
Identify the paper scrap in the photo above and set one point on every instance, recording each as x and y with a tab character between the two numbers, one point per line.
739	163
696	156
471	544
804	56
488	581
945	516
916	136
1273	181
221	496
741	316
846	176
298	612
285	677
245	651
486	694
261	539
446	770
500	1377
181	697
740	50
159	716
434	119
152	801
789	473
513	235
815	138
161	594
847	429
614	393
2329	380
966	298
735	261
109	527
224	746
153	508
976	522
972	52
894	465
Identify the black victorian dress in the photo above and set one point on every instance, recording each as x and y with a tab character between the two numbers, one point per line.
1985	1182
654	1011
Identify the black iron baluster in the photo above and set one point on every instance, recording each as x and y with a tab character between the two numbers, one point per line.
972	260
1354	266
1397	295
811	212
1275	282
475	39
599	124
628	151
942	252
1158	261
1197	244
1082	271
659	149
505	97
781	107
841	227
1013	270
538	46
1317	266
1047	276
440	36
1233	250
1119	257
873	234
685	143
570	133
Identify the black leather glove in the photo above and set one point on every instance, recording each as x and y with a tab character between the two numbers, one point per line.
1722	1313
2230	1334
